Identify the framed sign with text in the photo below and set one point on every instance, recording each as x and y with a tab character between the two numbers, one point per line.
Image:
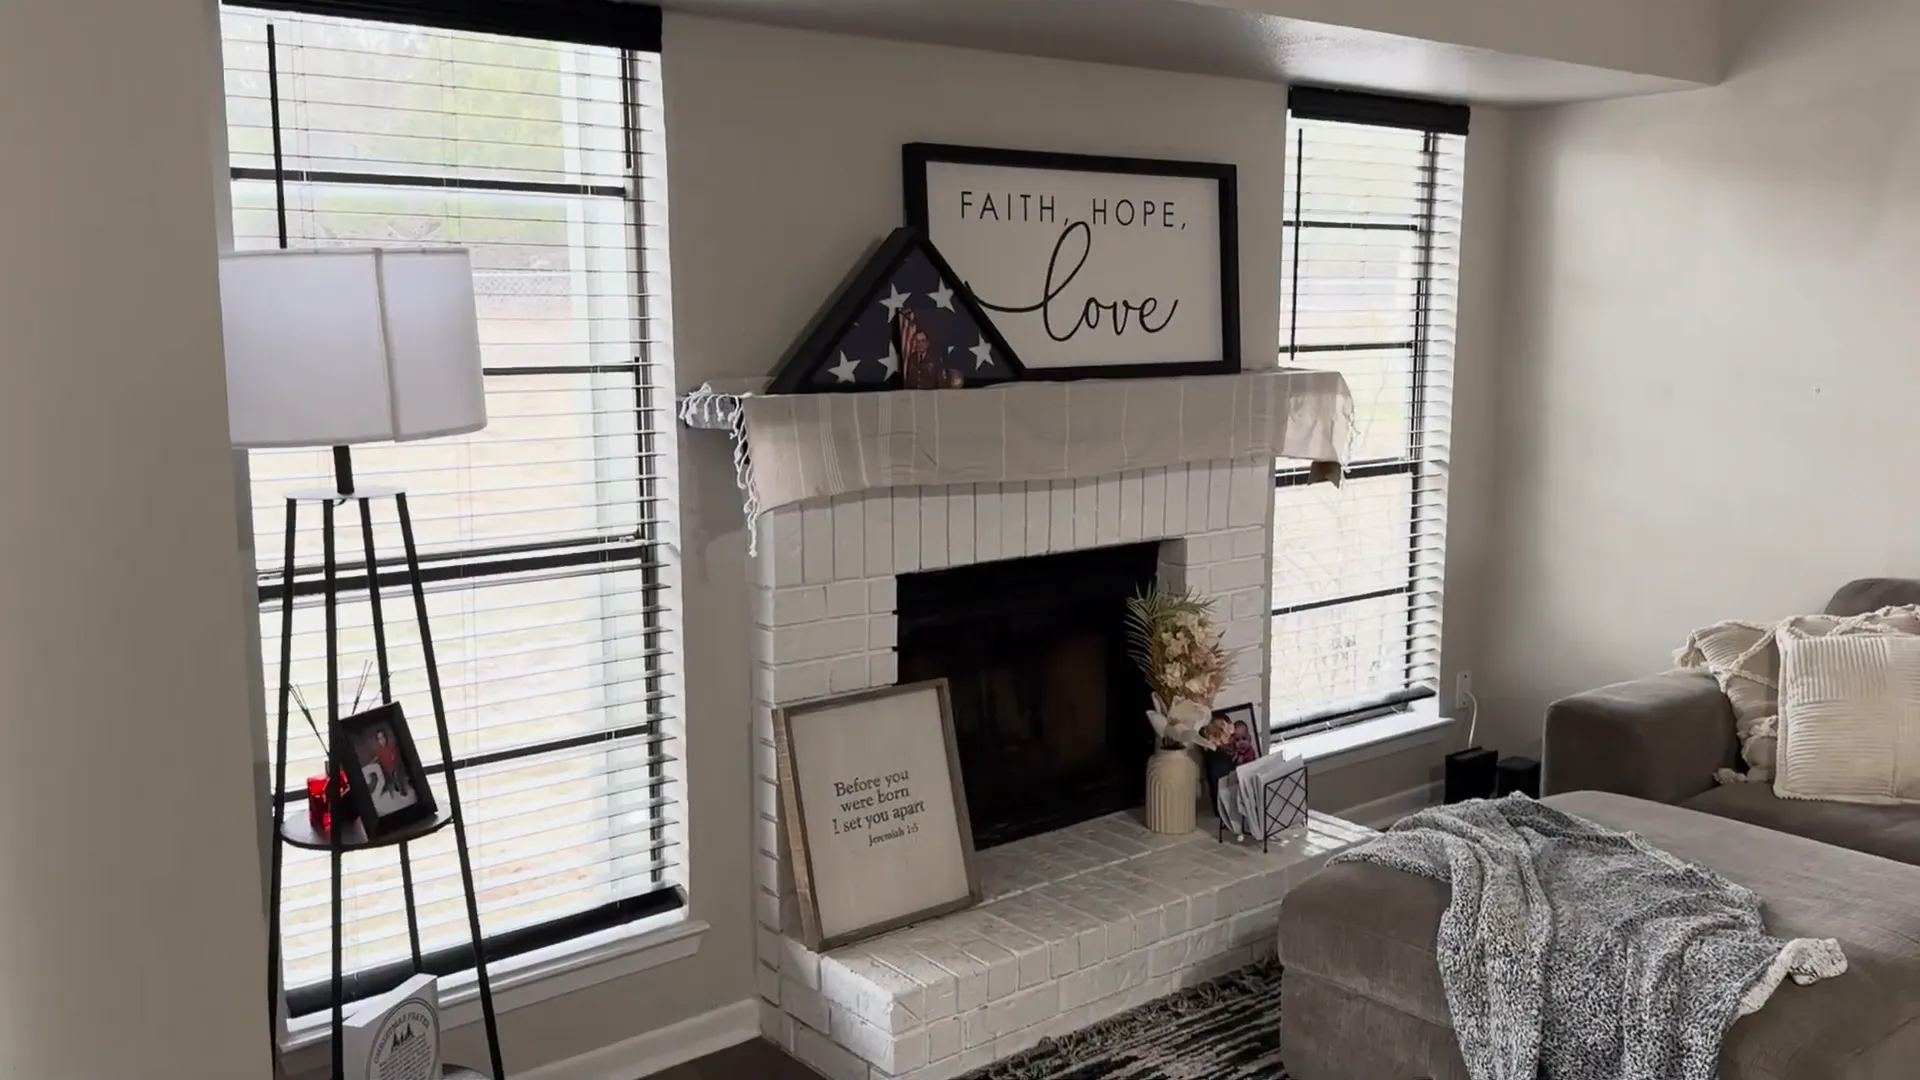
1091	267
876	817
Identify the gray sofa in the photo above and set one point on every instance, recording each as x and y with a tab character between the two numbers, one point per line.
1661	739
1362	1000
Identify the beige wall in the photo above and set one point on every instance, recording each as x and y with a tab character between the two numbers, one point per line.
1676	39
127	826
1708	408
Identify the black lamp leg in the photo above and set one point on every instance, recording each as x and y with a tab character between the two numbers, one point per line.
386	696
338	756
343	472
453	792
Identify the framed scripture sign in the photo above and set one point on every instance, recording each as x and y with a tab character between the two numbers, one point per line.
876	818
1090	267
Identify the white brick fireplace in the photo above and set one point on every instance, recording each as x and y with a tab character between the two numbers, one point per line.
1081	922
1140	915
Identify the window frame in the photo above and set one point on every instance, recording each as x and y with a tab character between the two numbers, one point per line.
642	548
1433	120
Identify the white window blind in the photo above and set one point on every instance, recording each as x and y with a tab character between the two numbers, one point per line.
1369	284
545	539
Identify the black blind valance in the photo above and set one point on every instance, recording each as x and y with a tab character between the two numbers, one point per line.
613	23
1357	107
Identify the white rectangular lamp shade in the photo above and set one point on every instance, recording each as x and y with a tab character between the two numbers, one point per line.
335	346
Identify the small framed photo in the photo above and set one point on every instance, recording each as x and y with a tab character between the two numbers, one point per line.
876	817
1248	737
389	791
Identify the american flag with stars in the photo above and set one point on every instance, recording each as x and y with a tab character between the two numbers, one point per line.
868	354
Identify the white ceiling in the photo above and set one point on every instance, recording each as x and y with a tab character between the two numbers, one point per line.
1246	39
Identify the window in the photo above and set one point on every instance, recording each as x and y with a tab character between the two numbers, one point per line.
1370	274
545	539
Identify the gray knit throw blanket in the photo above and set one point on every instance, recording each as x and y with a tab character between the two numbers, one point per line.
1573	952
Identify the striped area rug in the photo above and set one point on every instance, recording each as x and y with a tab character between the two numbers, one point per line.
1227	1029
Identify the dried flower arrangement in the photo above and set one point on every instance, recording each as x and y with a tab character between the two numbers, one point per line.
1178	650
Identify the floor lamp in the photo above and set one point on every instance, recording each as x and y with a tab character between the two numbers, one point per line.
332	347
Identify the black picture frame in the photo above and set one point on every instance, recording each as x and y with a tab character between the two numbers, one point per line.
353	731
915	157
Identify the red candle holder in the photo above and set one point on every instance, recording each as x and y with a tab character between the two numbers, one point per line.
318	814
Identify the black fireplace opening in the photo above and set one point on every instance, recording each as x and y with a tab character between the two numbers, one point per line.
1049	711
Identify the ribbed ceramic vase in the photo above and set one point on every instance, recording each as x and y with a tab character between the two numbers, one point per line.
1173	788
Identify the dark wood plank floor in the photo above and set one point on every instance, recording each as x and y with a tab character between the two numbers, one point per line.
756	1060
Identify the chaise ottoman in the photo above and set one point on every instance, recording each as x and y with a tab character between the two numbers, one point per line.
1361	997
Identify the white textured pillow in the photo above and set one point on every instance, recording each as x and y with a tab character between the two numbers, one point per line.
1849	718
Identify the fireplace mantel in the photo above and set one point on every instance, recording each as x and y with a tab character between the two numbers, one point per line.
796	447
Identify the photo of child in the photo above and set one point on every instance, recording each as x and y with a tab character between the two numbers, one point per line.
382	770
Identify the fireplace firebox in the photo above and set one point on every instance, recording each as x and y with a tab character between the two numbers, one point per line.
1049	711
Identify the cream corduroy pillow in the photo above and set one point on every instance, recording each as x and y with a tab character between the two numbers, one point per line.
1849	718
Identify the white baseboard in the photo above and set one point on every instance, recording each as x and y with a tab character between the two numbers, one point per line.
657	1051
1382	812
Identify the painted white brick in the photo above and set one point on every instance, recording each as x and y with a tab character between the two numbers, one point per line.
790	607
1240	633
1153	503
766	908
1238	574
816	522
1086	513
766	831
782	545
846	599
1252	488
819	640
1175	504
986	522
775	1026
767	982
801	964
849	674
801	682
849	537
768	947
906	530
1130	525
1219	494
1107	510
1060	536
1199	489
1039	517
825	1058
877	510
883	668
883	631
883	595
943	1038
1063	957
1013	520
975	1030
766	796
933	528
960	534
1248	603
1034	967
803	1004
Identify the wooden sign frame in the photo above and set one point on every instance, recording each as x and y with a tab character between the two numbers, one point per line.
800	838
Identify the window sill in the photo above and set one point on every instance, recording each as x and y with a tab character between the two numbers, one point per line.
546	973
1418	726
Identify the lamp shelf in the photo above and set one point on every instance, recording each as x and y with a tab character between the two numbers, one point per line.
298	830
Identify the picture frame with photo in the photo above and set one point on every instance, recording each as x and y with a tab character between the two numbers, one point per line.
876	815
1246	741
390	790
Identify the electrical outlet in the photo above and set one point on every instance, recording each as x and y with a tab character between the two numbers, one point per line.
1462	689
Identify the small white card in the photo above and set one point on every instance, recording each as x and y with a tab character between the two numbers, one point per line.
395	1036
